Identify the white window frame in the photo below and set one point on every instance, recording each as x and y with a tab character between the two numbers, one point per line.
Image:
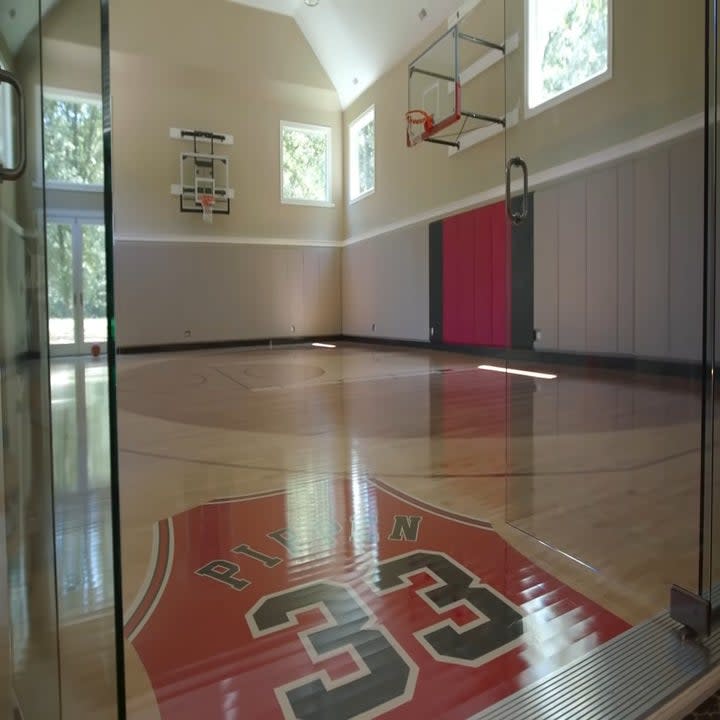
359	123
325	130
54	93
578	89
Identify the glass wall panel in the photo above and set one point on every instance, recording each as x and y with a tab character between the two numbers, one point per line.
604	452
29	638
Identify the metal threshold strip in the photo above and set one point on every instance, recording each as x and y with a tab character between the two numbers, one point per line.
628	678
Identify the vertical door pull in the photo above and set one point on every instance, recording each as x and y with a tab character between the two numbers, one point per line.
14	173
516	218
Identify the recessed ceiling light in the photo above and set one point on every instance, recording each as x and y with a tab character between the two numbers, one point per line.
312	3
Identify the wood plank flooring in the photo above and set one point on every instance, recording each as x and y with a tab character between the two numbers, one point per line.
602	490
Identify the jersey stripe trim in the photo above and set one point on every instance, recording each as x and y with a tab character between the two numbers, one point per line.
156	580
427	507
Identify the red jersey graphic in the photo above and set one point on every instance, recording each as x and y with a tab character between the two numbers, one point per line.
344	600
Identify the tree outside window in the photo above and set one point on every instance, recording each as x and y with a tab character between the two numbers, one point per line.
362	155
568	45
306	164
73	140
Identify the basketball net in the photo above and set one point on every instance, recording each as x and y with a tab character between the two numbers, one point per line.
207	203
419	123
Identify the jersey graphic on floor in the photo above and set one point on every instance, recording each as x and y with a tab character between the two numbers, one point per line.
345	599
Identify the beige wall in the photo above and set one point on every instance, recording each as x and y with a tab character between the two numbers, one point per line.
241	74
658	79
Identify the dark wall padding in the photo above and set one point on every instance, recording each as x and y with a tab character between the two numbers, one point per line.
523	279
436	282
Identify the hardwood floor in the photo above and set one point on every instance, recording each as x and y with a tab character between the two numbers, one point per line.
602	492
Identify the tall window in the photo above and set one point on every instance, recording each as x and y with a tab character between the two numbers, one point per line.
73	139
569	47
362	155
306	177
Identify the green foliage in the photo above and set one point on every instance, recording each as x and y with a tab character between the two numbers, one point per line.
305	164
74	154
94	280
366	158
59	264
73	141
577	50
60	270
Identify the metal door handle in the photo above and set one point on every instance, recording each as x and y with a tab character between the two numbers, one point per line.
516	218
16	172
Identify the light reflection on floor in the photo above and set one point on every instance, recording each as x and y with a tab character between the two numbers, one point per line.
81	458
83	531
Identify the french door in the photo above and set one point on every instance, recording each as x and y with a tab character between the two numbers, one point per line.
76	284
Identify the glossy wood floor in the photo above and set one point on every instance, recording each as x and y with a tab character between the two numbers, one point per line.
602	488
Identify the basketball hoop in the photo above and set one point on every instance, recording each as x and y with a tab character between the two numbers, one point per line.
419	123
207	202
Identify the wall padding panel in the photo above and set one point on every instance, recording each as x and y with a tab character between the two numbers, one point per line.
475	278
602	262
686	250
546	269
652	255
572	258
618	257
386	283
224	292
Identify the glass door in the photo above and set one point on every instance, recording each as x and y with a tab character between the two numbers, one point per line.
605	177
29	634
76	284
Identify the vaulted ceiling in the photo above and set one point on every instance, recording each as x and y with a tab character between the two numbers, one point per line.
18	18
357	41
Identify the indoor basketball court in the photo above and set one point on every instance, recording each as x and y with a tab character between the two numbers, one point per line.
381	352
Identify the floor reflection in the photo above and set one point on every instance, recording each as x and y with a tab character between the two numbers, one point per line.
83	535
350	462
81	457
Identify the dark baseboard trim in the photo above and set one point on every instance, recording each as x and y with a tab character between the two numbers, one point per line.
598	362
224	344
676	368
362	340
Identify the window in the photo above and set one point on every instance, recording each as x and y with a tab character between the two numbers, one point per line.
73	139
362	156
306	164
569	48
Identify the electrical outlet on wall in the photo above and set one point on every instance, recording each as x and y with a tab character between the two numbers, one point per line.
188	333
537	335
292	328
373	327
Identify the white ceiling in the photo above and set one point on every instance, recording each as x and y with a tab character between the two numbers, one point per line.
18	18
357	41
